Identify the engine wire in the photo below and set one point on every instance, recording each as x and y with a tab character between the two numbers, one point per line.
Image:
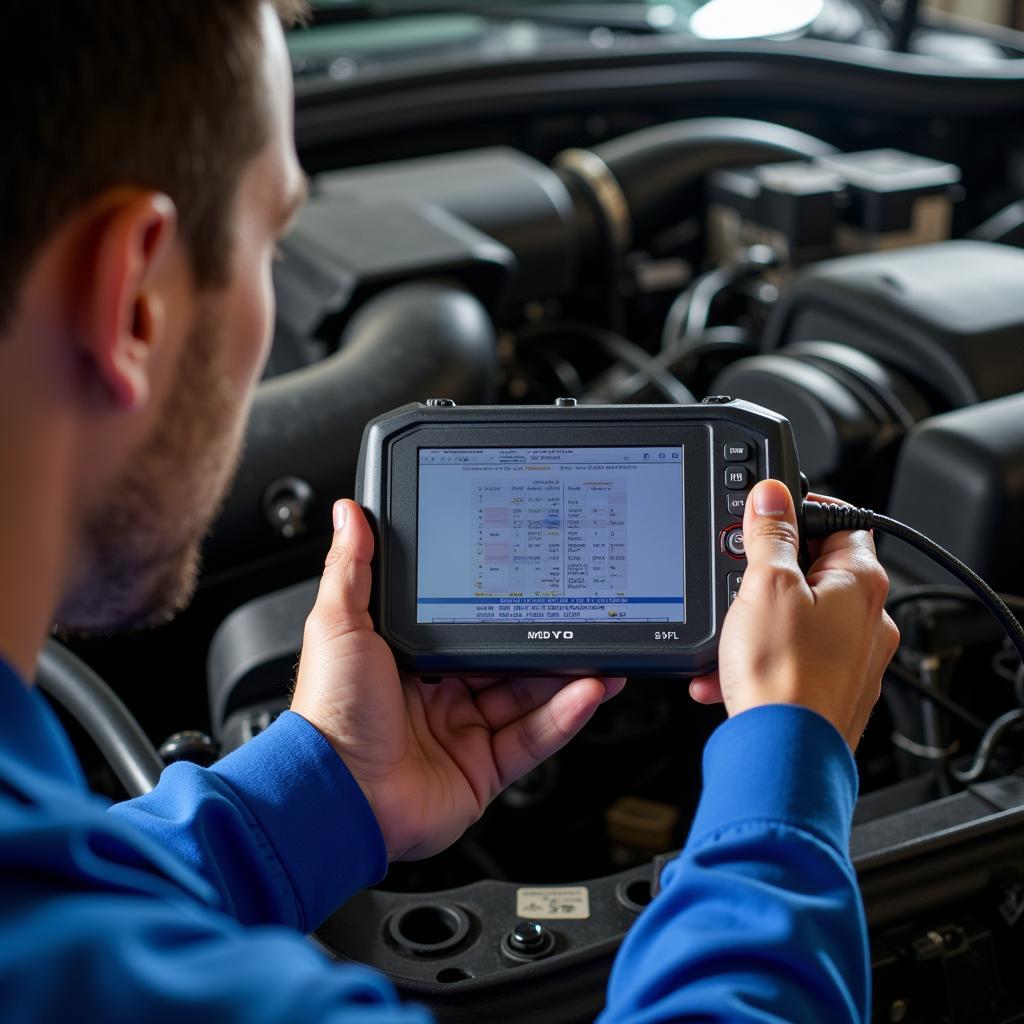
689	315
907	678
982	760
619	348
820	520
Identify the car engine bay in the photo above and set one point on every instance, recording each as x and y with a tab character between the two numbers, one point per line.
794	222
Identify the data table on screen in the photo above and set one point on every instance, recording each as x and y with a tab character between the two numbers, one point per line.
550	534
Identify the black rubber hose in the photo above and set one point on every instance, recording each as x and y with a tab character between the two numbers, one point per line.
654	164
66	679
409	343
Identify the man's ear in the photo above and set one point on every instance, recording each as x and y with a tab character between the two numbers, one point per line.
121	314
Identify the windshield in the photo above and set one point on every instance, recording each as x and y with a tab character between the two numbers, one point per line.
352	39
708	19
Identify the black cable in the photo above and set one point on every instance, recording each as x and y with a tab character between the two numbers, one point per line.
67	679
715	340
625	351
633	355
906	678
689	314
688	317
569	380
820	520
982	759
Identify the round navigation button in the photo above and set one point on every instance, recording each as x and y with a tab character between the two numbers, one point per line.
732	542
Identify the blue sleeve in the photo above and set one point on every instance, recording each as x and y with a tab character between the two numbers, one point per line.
71	954
278	828
99	922
760	918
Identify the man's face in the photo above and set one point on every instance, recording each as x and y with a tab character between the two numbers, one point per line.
142	543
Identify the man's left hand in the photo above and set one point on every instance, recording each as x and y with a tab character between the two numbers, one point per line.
430	757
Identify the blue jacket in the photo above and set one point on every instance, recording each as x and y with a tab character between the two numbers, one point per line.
191	903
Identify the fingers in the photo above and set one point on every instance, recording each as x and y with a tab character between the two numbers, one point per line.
769	526
506	700
850	557
771	540
613	687
887	640
706	689
522	744
343	599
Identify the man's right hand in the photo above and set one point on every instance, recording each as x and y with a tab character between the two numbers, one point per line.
822	641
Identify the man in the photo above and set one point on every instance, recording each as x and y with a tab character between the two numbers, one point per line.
149	171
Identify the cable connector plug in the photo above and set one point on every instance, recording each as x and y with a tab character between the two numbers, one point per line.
822	520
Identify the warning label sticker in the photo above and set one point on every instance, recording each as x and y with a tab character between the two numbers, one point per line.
548	904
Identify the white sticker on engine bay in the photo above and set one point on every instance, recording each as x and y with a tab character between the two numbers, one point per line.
567	904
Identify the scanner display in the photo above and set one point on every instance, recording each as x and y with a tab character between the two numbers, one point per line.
576	534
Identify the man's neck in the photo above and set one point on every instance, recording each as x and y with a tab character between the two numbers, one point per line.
35	536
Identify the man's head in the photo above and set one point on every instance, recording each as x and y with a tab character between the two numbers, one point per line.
149	172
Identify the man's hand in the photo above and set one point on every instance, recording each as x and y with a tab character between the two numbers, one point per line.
823	641
429	757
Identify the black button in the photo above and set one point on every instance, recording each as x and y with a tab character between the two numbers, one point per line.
736	503
734	543
736	451
732	585
736	478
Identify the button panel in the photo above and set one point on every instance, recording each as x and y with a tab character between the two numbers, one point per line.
739	467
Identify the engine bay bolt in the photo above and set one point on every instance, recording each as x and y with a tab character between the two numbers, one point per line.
528	940
527	937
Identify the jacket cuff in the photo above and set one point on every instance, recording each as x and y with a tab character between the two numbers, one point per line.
780	763
312	812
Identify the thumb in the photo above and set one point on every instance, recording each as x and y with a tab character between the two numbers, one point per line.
344	596
769	527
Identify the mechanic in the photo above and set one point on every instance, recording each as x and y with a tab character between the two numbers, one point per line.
149	170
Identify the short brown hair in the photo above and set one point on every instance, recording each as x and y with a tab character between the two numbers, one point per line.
164	94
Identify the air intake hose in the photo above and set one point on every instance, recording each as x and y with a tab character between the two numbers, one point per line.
410	342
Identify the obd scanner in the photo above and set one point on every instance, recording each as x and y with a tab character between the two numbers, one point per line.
565	539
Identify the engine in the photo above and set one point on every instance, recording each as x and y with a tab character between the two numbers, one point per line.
708	256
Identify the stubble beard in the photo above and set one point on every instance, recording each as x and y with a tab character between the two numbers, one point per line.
143	543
